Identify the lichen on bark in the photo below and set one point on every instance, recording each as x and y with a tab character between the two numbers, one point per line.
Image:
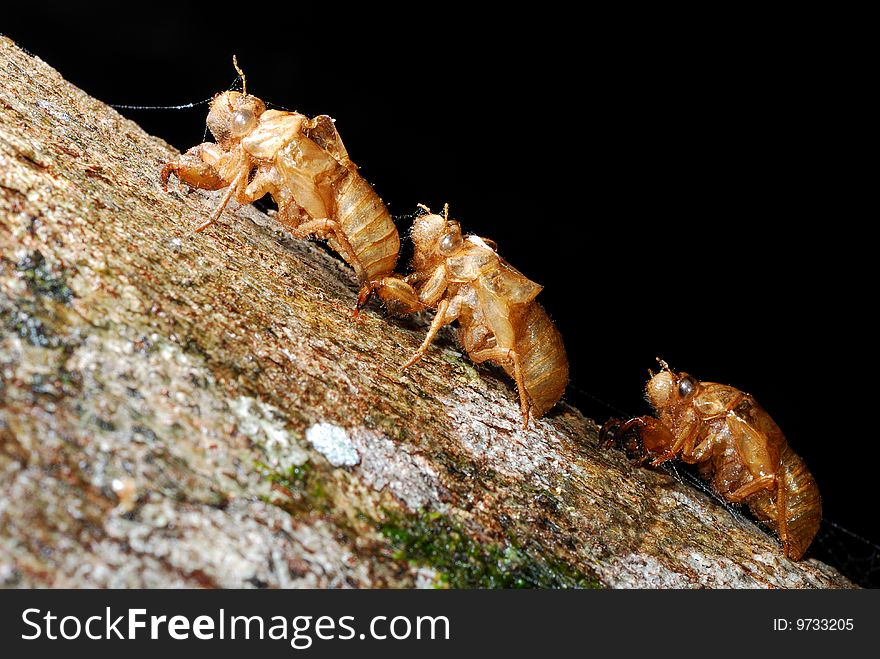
181	409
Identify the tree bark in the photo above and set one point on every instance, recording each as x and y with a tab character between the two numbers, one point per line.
181	409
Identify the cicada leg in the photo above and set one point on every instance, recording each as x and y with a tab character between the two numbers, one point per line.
655	439
640	428
767	483
396	293
222	205
199	168
756	485
193	169
609	433
782	513
326	229
502	355
775	480
442	317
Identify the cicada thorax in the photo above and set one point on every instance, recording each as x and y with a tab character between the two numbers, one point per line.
499	310
746	441
523	325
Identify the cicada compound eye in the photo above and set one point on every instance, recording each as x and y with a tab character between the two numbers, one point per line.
450	242
243	122
686	386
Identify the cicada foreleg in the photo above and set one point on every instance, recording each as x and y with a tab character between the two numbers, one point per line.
201	167
196	168
245	192
395	292
434	287
636	436
655	439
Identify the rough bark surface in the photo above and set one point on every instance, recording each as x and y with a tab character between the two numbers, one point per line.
181	409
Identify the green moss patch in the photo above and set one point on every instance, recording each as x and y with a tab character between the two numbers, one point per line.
41	281
301	487
435	540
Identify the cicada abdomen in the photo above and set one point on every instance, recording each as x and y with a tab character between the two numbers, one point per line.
543	359
802	506
367	224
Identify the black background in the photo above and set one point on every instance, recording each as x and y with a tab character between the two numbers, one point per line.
682	186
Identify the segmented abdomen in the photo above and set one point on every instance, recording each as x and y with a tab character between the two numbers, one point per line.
368	226
542	358
803	504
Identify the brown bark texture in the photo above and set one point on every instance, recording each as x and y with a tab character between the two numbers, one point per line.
184	410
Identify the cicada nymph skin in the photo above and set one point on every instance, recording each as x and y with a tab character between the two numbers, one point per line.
462	278
737	447
304	165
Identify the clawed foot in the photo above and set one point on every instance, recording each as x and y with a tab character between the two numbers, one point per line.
397	295
624	435
417	355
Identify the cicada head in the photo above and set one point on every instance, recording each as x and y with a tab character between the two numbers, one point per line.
435	237
232	116
667	389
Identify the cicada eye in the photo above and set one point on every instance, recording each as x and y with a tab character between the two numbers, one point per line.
686	386
243	122
450	242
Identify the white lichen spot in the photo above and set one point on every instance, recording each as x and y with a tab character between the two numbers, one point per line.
334	444
426	577
408	476
260	421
